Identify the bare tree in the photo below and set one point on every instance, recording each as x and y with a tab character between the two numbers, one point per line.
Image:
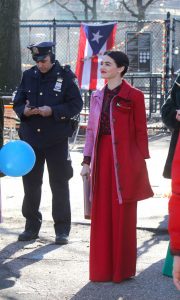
137	8
26	8
10	59
90	10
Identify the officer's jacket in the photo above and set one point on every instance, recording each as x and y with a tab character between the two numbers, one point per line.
56	88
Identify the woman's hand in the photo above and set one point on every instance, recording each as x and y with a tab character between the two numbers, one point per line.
178	115
85	170
176	272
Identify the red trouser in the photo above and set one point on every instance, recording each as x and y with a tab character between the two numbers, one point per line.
113	226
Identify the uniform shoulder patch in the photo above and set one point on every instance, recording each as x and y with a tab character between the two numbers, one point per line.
70	74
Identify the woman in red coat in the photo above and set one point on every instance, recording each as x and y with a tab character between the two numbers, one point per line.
114	156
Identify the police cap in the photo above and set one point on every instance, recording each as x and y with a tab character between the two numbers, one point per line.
41	50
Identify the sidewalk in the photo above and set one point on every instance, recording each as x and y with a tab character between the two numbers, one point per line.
41	270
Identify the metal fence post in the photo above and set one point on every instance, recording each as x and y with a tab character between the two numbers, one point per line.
167	65
173	48
54	34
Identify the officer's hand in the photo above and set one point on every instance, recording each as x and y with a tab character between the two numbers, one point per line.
45	111
29	111
85	170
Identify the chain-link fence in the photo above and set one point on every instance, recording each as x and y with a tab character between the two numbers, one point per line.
176	46
142	41
66	37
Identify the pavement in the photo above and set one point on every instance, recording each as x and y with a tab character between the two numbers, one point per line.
42	270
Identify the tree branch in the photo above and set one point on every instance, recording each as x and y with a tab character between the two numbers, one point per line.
41	6
67	9
129	10
148	4
61	5
87	5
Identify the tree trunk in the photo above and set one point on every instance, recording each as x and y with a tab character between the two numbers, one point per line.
10	54
94	10
85	10
141	14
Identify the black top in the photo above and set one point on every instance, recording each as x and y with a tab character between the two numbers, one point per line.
105	113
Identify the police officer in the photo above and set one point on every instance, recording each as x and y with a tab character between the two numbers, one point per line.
46	100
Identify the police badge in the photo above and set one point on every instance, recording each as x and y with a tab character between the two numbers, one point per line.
58	84
35	50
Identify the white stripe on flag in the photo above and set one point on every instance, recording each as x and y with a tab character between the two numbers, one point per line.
86	74
100	81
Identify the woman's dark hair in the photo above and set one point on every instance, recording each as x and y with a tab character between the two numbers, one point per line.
120	58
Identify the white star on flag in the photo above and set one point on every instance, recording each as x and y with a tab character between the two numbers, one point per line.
96	37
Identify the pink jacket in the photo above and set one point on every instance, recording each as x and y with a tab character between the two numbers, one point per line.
129	141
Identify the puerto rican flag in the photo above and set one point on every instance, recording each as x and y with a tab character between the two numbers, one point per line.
93	42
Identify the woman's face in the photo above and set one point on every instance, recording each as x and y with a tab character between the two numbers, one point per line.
109	69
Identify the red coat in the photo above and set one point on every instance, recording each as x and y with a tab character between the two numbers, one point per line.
174	203
129	141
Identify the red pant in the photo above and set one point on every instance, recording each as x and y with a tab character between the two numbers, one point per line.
113	226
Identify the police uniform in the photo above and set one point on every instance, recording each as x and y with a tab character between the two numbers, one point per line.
48	136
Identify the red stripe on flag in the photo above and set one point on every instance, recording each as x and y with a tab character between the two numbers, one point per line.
111	38
94	68
80	61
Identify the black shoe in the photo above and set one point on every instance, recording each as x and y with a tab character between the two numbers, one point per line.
28	235
61	239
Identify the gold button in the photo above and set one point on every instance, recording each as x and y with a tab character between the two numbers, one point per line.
38	130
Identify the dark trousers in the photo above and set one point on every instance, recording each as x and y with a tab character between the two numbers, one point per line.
60	171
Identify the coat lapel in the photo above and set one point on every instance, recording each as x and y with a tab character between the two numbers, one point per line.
99	95
125	90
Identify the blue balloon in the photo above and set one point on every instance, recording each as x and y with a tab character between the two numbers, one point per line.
17	158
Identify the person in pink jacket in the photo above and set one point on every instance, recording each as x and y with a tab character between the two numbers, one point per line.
115	150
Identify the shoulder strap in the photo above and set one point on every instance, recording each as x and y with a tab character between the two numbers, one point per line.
66	70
